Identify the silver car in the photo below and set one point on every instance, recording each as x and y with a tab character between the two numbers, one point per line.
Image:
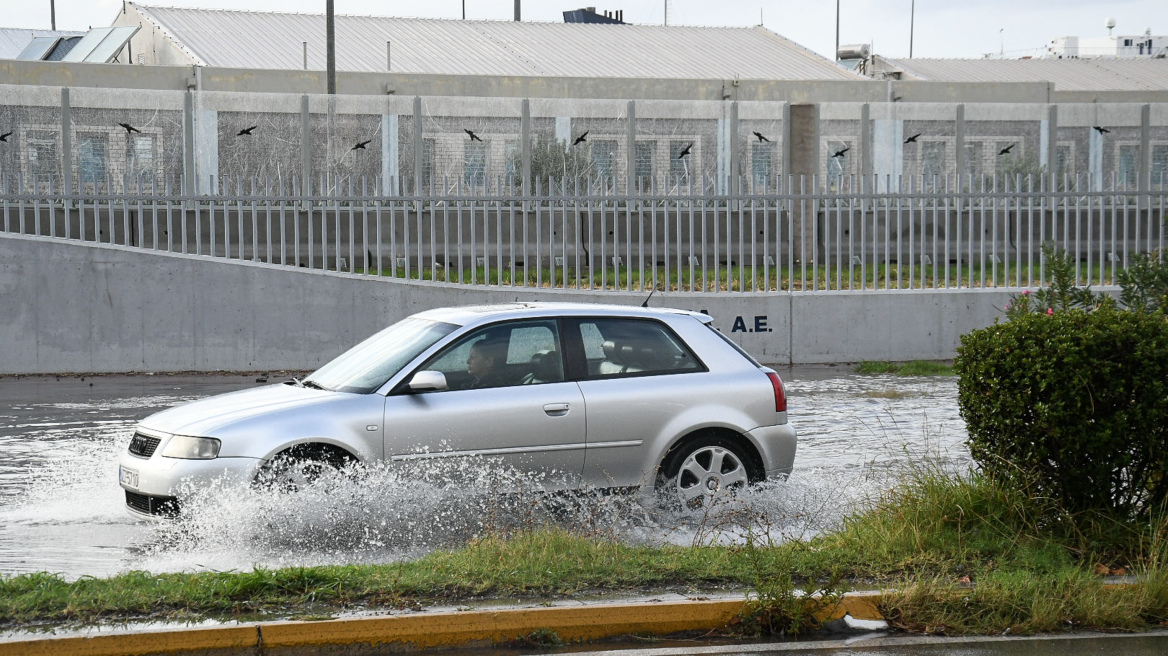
577	394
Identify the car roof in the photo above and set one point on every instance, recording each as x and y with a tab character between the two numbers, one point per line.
473	314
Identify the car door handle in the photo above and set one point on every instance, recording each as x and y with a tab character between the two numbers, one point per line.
556	409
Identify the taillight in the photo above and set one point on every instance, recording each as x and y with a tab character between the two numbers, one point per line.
780	395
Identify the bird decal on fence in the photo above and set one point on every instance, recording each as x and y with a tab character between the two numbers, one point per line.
473	136
913	139
4	137
246	132
685	151
841	152
580	139
129	128
1006	150
360	145
761	137
1100	129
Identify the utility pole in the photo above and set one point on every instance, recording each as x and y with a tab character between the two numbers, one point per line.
53	13
516	11
666	13
837	3
912	23
331	38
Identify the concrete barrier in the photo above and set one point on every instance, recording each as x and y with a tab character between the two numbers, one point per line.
71	307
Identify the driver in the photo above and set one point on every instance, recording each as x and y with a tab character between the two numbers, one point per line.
485	364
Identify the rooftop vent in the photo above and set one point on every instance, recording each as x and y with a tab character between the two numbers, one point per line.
589	15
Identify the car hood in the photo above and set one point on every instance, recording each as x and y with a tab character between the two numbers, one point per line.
203	418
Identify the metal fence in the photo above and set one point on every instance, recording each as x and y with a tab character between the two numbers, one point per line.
779	234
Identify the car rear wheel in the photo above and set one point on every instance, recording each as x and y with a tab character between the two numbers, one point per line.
300	467
697	473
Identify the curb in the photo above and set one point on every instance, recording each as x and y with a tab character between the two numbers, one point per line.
425	630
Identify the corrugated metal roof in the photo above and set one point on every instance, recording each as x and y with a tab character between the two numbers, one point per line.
13	40
1095	74
240	39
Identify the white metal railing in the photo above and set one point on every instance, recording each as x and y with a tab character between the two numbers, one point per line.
781	235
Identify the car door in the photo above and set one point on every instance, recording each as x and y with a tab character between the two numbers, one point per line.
522	417
637	378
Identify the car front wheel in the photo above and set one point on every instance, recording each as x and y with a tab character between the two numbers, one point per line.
702	470
300	467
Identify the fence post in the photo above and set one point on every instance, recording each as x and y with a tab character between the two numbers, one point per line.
525	145
631	154
733	177
305	148
418	145
1144	202
66	143
785	165
959	144
188	178
1051	144
865	141
804	138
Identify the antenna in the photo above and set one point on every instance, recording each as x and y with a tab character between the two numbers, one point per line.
646	303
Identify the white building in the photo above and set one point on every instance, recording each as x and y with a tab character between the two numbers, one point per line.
1074	47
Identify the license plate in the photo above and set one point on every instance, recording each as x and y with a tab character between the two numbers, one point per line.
129	477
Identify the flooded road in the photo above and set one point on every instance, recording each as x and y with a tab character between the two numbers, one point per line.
61	509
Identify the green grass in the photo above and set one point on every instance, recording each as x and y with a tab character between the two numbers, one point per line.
742	278
958	555
914	368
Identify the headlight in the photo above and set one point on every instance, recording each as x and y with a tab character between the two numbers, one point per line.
191	448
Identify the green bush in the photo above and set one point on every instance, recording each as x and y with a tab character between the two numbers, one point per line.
1073	401
1145	283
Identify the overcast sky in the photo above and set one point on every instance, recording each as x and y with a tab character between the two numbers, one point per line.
943	28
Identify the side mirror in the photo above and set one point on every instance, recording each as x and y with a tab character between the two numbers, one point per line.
428	381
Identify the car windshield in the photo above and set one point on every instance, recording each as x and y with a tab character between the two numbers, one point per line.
365	367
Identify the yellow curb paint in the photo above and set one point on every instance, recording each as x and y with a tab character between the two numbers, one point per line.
569	623
235	637
424	630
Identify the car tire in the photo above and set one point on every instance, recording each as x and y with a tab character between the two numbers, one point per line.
301	466
700	471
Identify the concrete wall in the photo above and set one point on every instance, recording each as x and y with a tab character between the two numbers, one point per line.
311	82
70	307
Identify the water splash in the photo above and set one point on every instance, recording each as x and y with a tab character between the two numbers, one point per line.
61	509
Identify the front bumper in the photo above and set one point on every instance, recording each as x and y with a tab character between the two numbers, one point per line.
776	445
156	485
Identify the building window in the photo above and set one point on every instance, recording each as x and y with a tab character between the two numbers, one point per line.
933	161
1003	164
839	158
1129	166
603	156
679	166
142	166
92	150
474	163
973	159
427	161
42	155
513	159
1160	166
643	162
1062	162
761	164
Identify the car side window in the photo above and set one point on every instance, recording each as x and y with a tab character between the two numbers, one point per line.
502	355
630	347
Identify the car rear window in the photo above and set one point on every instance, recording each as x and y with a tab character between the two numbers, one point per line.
624	347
